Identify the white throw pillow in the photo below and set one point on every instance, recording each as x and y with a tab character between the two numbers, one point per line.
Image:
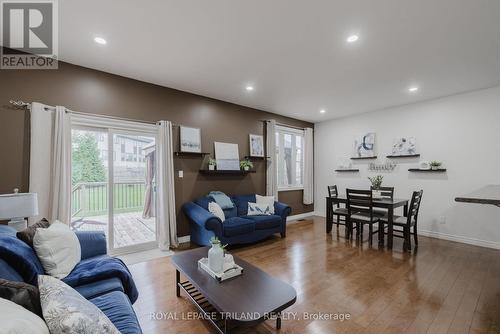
66	311
15	319
216	210
255	209
58	249
265	200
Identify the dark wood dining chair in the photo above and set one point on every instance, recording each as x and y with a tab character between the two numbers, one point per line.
385	192
336	209
360	212
404	224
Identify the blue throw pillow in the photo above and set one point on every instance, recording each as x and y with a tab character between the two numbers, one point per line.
241	202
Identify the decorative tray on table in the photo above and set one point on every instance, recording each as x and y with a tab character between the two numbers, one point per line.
230	270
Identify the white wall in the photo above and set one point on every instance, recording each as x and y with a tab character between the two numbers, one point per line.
463	131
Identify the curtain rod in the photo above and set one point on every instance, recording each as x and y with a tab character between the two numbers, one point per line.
282	124
22	104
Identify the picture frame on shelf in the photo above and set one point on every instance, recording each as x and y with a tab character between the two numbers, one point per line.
404	147
190	139
256	145
227	156
364	146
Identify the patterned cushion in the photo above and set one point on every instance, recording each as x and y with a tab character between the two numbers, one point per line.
216	210
255	209
265	200
66	311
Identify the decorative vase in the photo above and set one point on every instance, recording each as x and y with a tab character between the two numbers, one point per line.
246	168
376	193
216	257
211	167
434	167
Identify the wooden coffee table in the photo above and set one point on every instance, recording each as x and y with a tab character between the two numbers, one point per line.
245	300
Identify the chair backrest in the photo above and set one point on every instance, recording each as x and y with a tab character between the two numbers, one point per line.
386	192
414	207
360	201
332	191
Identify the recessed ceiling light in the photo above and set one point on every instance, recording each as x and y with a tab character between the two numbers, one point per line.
322	111
413	89
100	40
352	38
249	88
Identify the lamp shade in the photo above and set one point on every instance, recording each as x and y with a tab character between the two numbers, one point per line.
18	205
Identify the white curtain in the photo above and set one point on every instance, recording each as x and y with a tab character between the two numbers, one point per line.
272	164
308	166
50	161
167	236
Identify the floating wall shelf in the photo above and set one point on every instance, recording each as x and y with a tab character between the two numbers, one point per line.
191	154
427	170
347	170
404	156
247	157
225	172
363	158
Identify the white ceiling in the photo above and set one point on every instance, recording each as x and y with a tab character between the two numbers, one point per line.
293	51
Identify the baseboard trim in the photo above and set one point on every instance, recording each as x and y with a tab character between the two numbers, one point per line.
184	239
300	216
461	239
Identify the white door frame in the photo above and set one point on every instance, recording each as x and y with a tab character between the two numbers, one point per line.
110	133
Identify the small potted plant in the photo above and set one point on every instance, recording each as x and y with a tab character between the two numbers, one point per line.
246	165
376	182
211	164
435	165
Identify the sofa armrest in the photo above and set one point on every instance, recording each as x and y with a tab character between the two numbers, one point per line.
282	210
202	217
92	243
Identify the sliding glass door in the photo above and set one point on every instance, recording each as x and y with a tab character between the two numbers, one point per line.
113	174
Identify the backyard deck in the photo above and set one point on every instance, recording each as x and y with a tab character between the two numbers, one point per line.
129	228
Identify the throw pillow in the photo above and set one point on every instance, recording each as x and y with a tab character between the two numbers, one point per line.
23	294
28	233
66	311
15	319
216	210
58	249
269	200
255	209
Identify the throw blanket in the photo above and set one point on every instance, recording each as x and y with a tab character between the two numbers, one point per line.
100	268
20	257
222	199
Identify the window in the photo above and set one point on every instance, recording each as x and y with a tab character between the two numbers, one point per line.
290	157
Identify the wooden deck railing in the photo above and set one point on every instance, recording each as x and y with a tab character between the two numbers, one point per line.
91	198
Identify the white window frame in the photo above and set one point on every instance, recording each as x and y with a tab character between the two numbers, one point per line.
281	131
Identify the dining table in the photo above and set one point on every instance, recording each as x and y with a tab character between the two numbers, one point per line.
385	203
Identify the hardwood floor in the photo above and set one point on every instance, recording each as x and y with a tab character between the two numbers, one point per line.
445	287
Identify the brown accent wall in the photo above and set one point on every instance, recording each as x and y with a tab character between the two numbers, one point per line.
92	91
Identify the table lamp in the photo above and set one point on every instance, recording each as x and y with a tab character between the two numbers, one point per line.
17	206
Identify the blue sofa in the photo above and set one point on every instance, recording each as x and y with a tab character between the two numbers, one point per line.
101	279
238	227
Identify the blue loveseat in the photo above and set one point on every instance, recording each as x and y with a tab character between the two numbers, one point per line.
238	227
101	279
